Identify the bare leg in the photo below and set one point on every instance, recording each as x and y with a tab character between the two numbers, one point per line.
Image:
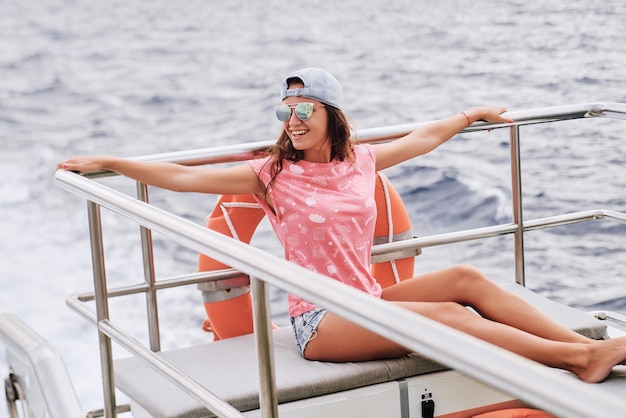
340	340
509	322
466	285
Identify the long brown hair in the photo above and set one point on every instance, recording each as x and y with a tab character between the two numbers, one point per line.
338	132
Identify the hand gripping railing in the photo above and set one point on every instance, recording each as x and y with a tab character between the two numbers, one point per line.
510	373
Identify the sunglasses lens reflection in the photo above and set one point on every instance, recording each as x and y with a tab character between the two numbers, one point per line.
304	111
283	112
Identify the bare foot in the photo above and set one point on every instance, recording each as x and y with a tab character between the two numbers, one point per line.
603	356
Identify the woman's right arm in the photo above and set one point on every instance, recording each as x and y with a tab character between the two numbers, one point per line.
239	179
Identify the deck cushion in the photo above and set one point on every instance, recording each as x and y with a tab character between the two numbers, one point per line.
228	368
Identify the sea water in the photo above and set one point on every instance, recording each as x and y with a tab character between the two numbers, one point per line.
133	78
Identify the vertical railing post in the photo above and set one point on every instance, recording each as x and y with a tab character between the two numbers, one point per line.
102	308
516	192
265	348
149	277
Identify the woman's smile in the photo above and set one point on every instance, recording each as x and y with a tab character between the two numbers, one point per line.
298	132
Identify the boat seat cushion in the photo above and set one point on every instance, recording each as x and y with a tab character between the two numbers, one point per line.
228	368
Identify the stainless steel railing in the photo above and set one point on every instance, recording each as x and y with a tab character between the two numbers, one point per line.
567	396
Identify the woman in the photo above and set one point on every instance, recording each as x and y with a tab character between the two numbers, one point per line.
317	188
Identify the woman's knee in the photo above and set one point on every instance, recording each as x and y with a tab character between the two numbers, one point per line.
470	283
467	270
468	274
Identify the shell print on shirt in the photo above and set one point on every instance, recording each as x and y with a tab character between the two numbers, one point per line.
324	216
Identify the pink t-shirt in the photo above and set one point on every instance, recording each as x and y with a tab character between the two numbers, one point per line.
325	217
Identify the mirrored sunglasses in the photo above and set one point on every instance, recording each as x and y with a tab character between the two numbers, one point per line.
304	111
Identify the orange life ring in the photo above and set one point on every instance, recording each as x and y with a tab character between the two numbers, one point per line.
228	303
392	224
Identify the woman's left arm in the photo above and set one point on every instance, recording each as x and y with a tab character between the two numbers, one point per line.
428	137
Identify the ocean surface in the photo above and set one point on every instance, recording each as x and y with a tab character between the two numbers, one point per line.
134	77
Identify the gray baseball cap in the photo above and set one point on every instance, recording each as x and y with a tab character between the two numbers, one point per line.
318	84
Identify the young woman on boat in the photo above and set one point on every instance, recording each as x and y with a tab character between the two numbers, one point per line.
317	188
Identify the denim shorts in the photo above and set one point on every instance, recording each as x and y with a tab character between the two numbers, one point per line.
305	327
